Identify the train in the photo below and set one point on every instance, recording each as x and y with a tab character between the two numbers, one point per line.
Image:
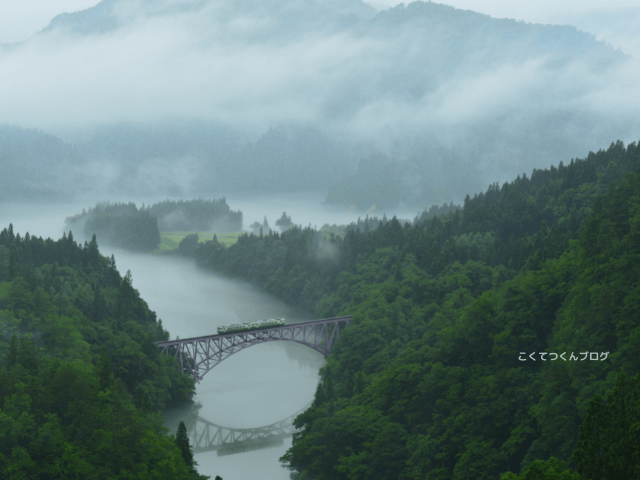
245	327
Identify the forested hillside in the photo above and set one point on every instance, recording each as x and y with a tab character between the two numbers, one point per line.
121	225
441	374
81	380
126	226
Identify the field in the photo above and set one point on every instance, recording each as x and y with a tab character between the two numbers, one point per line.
170	240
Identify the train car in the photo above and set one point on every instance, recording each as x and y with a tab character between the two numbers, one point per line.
246	327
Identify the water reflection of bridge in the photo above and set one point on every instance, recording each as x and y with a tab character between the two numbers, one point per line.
206	436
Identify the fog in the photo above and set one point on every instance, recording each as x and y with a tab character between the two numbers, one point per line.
253	67
274	105
254	388
342	78
48	220
257	387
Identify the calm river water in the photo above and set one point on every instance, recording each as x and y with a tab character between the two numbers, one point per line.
253	388
256	387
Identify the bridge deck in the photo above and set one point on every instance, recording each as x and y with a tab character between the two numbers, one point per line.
198	355
168	343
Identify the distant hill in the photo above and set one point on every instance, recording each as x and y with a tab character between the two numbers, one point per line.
290	95
211	157
430	379
120	225
196	215
126	226
35	165
110	15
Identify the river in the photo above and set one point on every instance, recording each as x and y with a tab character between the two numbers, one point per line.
256	387
253	388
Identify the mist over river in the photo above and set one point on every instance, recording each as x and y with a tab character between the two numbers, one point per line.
256	387
47	219
253	388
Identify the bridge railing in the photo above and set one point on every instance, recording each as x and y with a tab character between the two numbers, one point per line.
177	341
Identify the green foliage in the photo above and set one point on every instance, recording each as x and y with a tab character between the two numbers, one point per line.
105	374
57	423
552	469
436	210
428	373
609	443
198	214
188	245
182	442
80	375
119	224
170	241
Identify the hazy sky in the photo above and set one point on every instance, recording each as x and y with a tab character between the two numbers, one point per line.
20	20
161	67
252	65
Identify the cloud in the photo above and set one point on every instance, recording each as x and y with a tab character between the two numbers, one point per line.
388	83
200	63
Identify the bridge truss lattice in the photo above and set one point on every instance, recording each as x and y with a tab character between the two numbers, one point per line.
198	355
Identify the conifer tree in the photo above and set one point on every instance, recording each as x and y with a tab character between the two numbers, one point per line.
284	222
328	386
358	387
182	442
320	395
94	253
12	352
98	306
13	263
27	356
610	435
105	374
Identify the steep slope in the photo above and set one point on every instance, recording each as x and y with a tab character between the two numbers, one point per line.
441	374
81	380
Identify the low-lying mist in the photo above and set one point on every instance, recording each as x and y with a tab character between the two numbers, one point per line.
191	98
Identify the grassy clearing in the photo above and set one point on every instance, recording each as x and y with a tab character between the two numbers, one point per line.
171	240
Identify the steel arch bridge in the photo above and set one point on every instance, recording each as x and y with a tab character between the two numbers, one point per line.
198	355
206	436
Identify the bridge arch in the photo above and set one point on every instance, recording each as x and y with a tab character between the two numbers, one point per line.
199	355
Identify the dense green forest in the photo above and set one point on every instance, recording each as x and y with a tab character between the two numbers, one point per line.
436	211
81	380
126	226
447	371
198	214
121	225
371	223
